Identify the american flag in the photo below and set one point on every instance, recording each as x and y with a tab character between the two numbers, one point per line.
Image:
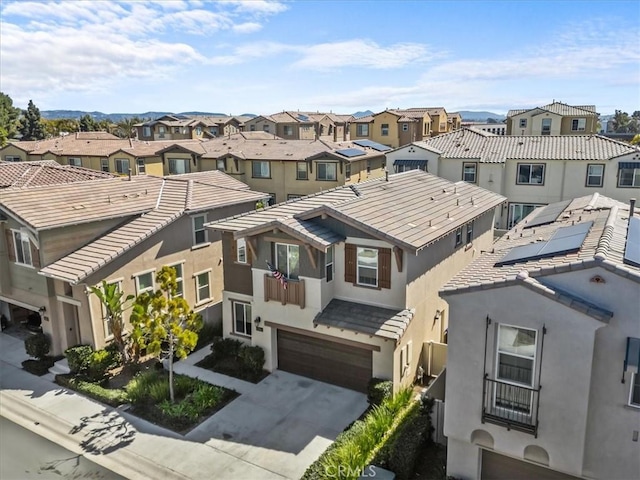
278	274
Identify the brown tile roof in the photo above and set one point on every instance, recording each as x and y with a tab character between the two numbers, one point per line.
604	246
486	147
412	210
45	172
559	108
177	195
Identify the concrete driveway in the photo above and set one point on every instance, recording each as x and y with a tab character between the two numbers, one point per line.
283	424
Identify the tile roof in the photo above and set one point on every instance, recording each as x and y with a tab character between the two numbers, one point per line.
177	195
45	172
559	108
604	245
413	209
368	319
486	147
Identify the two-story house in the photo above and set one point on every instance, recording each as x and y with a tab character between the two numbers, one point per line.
557	118
529	170
189	127
292	125
353	292
542	378
58	239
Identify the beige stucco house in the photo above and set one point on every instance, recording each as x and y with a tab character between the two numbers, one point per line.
363	263
542	376
557	118
529	170
60	238
296	125
189	127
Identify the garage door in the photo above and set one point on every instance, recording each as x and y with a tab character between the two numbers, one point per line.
499	467
324	360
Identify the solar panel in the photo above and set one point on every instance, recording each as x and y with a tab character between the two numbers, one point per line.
371	144
548	214
632	249
350	152
564	240
304	118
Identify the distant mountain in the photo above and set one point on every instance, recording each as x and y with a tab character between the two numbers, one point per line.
118	117
366	113
471	116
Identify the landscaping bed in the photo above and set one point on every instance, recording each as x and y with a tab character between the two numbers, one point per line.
41	366
231	357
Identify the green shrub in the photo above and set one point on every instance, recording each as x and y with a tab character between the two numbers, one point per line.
99	363
79	358
116	356
138	388
226	348
37	346
378	390
252	358
407	446
207	396
113	397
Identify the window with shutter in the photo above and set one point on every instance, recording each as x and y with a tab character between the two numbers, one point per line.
350	263
35	256
384	259
11	249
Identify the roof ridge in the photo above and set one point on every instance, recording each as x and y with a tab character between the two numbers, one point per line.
189	196
604	242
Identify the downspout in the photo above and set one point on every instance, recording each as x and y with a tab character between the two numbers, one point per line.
564	172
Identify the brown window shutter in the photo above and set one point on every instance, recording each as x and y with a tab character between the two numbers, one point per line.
248	252
234	249
35	255
350	263
384	262
10	247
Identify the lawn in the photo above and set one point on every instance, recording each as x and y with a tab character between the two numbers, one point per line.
235	359
147	393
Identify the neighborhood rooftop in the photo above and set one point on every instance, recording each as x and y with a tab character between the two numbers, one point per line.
411	209
559	108
42	173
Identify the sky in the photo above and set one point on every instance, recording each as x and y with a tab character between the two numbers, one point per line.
263	56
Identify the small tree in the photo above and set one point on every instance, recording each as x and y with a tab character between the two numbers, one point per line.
164	323
31	126
114	304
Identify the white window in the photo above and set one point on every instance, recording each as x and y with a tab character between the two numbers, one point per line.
104	164
146	131
122	165
213	130
288	259
203	292
634	393
458	236
546	126
367	266
405	127
518	211
176	129
328	261
530	174
242	318
405	358
302	172
241	250
327	171
179	279
469	172
12	158
523	123
578	124
362	130
161	131
368	167
347	171
198	131
595	175
178	166
287	130
469	232
142	168
260	169
629	176
22	247
515	365
199	231
75	162
221	164
384	129
144	282
265	127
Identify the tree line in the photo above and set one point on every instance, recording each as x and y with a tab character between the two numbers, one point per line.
30	125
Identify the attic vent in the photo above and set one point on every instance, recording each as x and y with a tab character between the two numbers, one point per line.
520	143
412	225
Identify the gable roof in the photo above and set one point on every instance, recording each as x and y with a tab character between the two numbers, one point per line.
470	143
411	210
604	245
559	108
44	172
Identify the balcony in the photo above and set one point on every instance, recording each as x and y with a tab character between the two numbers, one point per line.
292	295
512	406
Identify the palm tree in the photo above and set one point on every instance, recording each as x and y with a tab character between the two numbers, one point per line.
126	127
113	304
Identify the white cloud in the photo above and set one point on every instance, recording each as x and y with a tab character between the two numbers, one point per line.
247	27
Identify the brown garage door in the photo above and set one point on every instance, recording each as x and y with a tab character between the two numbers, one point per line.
499	467
324	360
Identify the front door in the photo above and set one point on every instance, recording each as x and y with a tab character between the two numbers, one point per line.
71	324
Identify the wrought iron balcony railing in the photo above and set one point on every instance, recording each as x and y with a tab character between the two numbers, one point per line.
512	406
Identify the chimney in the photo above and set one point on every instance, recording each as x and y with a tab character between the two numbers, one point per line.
632	207
129	174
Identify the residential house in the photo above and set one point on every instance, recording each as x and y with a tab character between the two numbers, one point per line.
495	128
557	118
542	376
358	271
189	127
284	168
529	170
63	233
298	125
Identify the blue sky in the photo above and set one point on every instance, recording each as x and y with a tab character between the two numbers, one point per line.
264	56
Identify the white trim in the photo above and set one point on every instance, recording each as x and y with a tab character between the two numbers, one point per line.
69	300
204	229
246	320
202	271
633	378
181	277
377	267
201	301
136	278
19	304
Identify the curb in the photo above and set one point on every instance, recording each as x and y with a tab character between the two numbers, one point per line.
124	462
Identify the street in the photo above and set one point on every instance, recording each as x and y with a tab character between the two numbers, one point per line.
25	455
